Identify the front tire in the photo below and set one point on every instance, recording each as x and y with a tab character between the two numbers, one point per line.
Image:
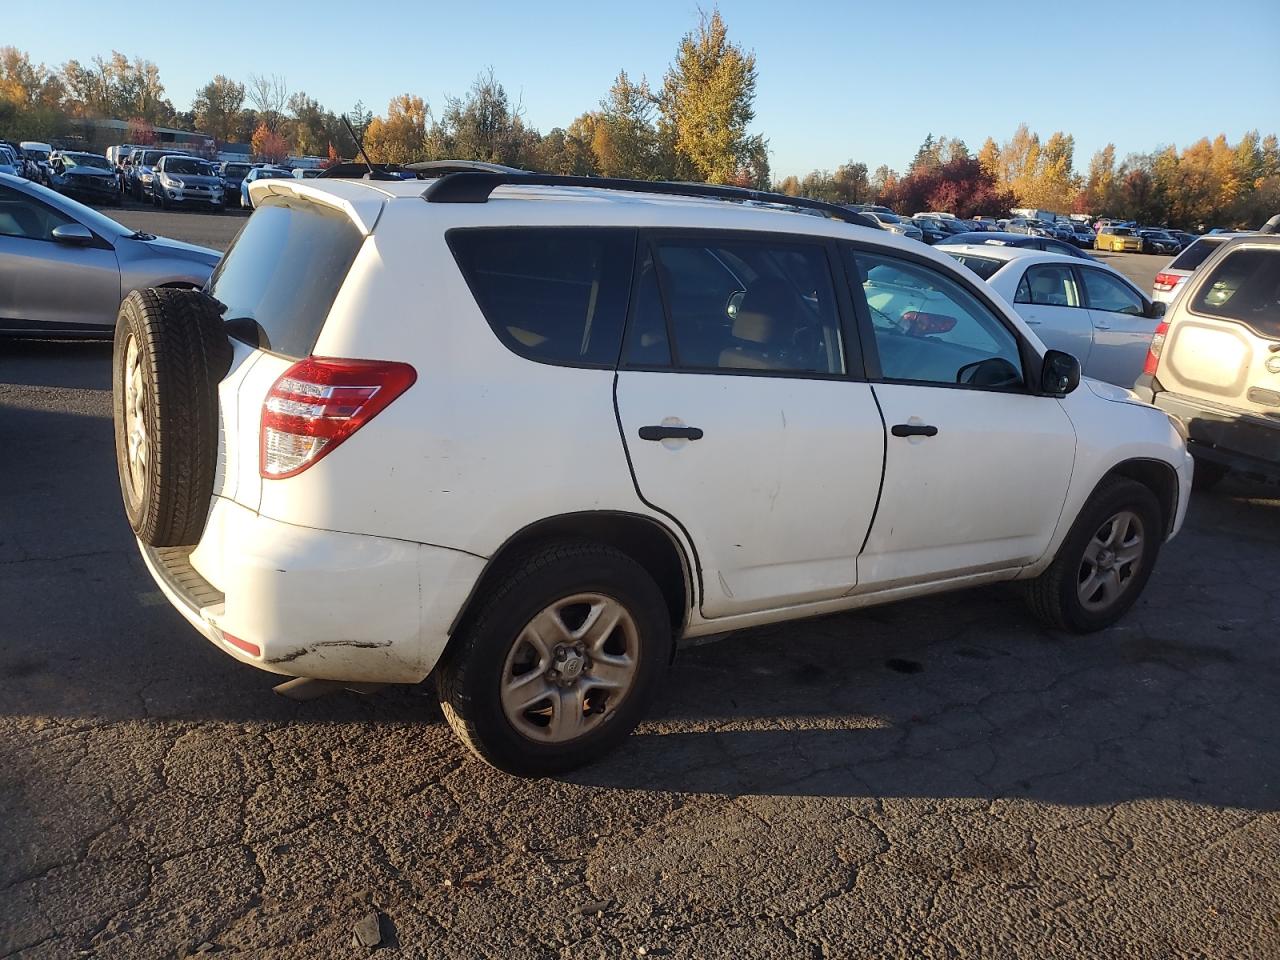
1104	562
560	662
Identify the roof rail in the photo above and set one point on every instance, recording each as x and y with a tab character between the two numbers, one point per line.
438	168
475	187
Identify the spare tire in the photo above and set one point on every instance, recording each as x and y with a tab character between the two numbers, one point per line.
170	354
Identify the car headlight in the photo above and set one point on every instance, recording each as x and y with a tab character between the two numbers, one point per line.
173	182
146	177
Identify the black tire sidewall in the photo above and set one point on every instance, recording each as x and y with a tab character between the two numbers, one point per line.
1126	495
476	694
129	324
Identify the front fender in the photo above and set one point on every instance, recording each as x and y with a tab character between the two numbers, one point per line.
1115	429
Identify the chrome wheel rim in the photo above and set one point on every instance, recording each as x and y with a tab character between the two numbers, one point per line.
1112	559
137	451
570	668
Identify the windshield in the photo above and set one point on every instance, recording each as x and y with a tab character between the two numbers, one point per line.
187	165
273	174
152	157
888	218
985	267
70	160
36	154
237	169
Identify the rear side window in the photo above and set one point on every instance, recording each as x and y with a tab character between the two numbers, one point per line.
1050	285
759	306
1244	287
1195	254
555	295
284	271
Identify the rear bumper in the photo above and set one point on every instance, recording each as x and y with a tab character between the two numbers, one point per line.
1238	440
315	603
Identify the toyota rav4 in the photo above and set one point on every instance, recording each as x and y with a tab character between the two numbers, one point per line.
524	433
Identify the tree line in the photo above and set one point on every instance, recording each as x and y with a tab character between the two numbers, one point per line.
694	125
1209	183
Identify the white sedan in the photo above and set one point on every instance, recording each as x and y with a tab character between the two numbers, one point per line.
1086	309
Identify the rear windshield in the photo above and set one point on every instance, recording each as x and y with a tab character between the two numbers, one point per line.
556	295
1196	254
1244	287
985	267
283	272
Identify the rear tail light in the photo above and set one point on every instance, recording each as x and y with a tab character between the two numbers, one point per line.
319	402
1166	281
1157	345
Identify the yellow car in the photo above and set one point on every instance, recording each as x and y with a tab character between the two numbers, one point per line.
1118	239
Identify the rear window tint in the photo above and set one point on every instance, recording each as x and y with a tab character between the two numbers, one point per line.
984	267
555	295
1244	287
284	271
1195	254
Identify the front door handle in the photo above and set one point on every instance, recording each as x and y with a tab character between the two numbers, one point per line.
913	430
663	432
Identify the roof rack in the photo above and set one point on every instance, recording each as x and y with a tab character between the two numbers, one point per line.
476	186
438	168
421	170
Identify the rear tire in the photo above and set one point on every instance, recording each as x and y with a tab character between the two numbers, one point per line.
575	599
1103	564
170	354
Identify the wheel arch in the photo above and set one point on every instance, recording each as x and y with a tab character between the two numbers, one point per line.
644	539
1157	476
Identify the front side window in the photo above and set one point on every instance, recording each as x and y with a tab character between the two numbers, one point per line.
1245	287
732	304
1049	285
554	294
1111	294
27	218
929	328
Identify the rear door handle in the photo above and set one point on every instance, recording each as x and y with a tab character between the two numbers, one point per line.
670	433
913	430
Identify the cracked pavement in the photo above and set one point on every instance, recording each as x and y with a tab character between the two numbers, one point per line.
940	778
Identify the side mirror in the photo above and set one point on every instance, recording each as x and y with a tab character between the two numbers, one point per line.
1156	309
75	234
1060	373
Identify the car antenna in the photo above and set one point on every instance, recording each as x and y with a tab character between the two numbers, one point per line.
373	174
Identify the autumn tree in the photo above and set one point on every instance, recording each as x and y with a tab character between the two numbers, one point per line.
30	98
217	107
268	144
626	131
400	137
141	132
961	186
116	87
483	125
707	103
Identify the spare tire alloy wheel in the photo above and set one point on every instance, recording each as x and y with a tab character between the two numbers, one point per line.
170	354
571	665
135	413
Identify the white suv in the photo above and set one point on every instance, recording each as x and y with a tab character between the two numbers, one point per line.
525	432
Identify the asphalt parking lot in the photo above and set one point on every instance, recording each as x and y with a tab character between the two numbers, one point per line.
940	778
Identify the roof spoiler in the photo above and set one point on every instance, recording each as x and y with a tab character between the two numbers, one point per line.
475	187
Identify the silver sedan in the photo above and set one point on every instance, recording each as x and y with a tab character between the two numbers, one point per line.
64	267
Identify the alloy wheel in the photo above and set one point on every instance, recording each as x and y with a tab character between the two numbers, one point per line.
1112	558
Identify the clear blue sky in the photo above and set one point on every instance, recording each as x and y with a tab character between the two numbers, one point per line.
837	80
